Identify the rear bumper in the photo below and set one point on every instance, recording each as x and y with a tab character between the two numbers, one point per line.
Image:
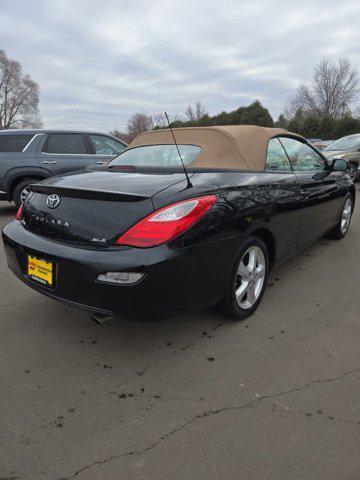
175	279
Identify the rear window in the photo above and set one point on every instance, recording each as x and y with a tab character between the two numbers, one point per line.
68	143
104	145
158	156
14	143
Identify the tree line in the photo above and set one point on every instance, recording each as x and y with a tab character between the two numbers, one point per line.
254	114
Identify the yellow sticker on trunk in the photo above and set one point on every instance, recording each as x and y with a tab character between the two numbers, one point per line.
40	270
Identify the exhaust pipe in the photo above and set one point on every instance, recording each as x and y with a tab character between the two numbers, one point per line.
100	319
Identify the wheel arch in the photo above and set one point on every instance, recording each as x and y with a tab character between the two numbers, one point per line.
19	178
268	238
353	195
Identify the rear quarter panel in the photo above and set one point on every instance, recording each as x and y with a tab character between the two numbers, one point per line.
17	165
13	165
247	202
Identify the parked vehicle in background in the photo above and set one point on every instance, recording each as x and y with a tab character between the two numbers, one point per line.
347	148
140	237
321	144
28	156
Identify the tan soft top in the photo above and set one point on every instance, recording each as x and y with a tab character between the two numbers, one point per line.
241	147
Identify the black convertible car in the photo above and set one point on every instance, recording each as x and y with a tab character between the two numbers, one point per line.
165	227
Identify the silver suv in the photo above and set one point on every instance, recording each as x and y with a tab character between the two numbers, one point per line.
29	156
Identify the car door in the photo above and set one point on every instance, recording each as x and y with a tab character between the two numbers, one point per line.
64	152
320	195
104	147
285	194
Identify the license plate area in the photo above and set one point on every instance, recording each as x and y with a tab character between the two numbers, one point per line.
40	270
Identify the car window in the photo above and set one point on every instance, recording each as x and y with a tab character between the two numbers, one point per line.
158	156
276	158
66	143
303	158
14	143
104	145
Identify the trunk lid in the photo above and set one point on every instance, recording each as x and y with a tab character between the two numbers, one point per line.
94	207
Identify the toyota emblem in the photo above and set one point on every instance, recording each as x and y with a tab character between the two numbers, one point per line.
53	200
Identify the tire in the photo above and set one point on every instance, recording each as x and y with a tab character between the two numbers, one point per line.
244	292
343	225
18	193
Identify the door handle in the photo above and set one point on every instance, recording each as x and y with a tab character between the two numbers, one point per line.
102	163
49	162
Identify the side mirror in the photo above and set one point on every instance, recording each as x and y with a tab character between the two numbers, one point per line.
340	165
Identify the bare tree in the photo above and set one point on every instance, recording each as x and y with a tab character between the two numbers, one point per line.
19	96
196	113
161	122
190	114
334	87
121	135
139	123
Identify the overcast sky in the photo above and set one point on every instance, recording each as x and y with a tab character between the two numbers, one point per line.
97	62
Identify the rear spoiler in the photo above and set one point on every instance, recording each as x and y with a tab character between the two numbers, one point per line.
106	195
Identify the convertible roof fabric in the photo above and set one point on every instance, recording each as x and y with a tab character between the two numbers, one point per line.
241	147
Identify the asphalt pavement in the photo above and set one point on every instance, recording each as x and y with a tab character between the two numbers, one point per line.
192	397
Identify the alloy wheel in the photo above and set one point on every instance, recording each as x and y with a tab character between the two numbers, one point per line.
24	193
250	277
346	216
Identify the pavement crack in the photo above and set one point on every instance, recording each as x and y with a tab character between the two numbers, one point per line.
162	438
256	401
309	384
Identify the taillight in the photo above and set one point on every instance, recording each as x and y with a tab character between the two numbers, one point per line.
166	223
19	213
